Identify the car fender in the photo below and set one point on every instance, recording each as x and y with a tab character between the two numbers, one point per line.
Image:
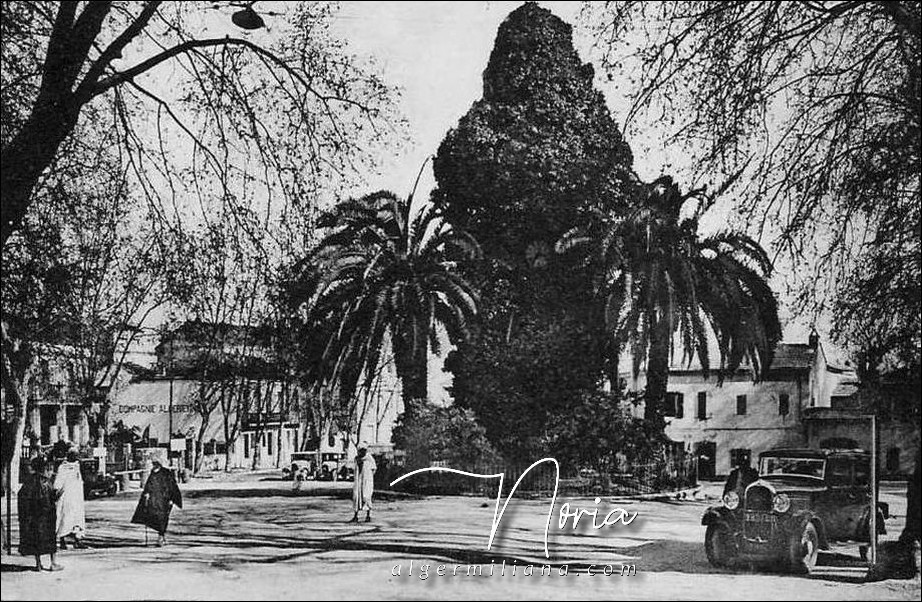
799	522
717	514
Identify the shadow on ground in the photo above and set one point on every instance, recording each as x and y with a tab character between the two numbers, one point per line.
16	568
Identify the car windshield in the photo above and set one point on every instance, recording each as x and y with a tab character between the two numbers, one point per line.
801	467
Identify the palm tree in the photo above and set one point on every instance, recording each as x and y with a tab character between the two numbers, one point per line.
381	275
662	284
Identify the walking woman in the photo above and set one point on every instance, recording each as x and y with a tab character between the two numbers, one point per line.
38	515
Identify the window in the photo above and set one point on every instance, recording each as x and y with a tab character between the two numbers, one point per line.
893	459
862	474
838	472
740	457
740	405
675	405
246	445
805	467
784	404
702	405
269	443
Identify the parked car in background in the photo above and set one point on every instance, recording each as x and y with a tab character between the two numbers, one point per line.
331	465
803	500
303	466
96	483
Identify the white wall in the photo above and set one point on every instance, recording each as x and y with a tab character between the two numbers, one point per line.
760	429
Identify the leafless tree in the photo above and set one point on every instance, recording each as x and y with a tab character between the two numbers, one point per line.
189	96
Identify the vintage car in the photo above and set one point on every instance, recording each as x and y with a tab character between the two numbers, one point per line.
803	500
303	466
333	467
96	483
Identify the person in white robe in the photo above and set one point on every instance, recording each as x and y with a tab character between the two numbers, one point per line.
364	485
71	515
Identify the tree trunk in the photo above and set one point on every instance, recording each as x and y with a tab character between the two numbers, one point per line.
413	371
16	458
657	372
15	360
230	441
614	378
25	157
199	444
257	448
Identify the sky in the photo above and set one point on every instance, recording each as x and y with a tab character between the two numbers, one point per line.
435	52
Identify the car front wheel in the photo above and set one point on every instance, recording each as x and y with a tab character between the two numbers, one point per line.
803	549
719	545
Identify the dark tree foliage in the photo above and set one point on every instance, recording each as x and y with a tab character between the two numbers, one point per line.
666	287
598	428
538	150
383	273
444	434
539	146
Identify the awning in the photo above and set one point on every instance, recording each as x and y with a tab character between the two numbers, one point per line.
147	404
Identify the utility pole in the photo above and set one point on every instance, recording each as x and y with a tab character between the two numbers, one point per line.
170	433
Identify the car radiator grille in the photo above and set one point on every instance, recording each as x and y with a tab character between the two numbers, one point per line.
758	525
759	499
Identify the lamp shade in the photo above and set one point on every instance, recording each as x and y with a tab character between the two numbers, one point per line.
247	18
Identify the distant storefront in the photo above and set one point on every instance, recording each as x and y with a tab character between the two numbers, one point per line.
151	407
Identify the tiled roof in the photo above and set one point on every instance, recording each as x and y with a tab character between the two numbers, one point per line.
793	355
787	356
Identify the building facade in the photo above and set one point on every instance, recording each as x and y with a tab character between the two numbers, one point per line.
254	416
725	423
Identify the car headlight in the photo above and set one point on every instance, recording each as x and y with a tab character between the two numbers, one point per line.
781	503
732	500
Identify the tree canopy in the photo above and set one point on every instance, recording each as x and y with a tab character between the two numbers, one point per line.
538	150
384	275
245	115
811	110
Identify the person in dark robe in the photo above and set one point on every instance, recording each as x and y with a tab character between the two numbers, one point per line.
59	449
741	477
160	494
37	515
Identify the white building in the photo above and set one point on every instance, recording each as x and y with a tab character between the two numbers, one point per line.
740	418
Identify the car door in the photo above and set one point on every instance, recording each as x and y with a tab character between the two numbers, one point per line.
835	504
861	500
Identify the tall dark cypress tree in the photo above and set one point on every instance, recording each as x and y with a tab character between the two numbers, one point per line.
526	161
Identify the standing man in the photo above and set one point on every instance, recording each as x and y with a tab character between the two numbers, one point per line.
911	533
741	476
160	494
68	485
364	485
37	520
